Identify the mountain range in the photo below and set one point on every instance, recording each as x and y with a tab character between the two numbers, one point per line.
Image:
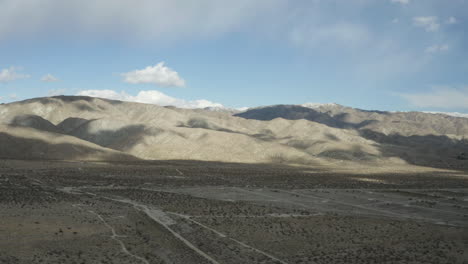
88	128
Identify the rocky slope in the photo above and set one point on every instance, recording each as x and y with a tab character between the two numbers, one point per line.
402	123
106	129
418	138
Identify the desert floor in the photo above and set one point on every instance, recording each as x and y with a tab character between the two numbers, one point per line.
207	212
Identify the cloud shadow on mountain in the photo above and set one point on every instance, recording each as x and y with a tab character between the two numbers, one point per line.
14	147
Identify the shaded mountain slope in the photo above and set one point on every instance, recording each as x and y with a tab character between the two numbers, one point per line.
291	112
402	123
34	121
30	143
283	134
418	138
71	124
154	132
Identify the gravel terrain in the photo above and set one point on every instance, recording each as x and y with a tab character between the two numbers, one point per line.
211	212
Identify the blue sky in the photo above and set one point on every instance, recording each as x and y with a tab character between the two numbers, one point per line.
371	54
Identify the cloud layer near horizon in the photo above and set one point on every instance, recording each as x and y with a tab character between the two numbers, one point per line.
439	97
150	97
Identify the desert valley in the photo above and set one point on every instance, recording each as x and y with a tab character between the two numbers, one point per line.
92	180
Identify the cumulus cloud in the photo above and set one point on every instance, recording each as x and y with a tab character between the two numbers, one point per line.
11	74
150	97
158	74
404	2
439	97
429	23
436	48
49	78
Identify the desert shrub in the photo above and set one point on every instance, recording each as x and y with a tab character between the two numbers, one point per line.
278	158
265	134
299	144
462	156
198	123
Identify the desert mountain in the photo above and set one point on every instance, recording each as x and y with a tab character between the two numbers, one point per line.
30	143
402	123
416	137
92	128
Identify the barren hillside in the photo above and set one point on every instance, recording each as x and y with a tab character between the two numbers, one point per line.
279	134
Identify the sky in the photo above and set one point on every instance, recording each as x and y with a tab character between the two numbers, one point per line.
396	55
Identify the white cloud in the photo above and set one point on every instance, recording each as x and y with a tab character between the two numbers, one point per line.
455	114
436	48
150	97
395	20
439	97
404	2
49	78
243	109
451	20
157	74
11	74
129	19
429	23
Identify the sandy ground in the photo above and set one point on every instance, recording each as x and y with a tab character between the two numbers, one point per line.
206	212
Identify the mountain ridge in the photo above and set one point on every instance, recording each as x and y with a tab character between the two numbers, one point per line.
286	134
